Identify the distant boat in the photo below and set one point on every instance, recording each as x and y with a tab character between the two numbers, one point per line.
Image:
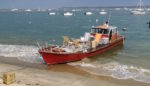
139	10
103	12
125	8
15	9
49	9
73	10
68	14
117	8
88	13
130	9
28	10
52	13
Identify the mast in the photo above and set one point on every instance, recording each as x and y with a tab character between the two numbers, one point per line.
140	4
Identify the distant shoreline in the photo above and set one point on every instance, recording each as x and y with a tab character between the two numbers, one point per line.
81	7
105	7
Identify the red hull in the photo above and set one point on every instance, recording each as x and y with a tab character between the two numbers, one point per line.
55	58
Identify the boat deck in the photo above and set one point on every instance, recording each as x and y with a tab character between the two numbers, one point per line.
57	50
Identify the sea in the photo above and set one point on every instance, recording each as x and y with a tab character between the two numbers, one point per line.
20	31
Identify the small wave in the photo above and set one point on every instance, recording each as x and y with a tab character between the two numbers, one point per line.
22	52
83	64
128	55
115	70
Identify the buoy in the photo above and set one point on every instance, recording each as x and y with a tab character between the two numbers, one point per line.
124	29
29	22
97	20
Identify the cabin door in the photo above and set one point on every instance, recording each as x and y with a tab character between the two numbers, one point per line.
110	35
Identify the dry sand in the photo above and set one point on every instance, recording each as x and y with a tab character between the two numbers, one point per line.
56	76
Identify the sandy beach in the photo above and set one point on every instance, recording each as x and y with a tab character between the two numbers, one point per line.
58	75
32	77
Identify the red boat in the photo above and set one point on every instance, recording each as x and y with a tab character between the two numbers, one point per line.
99	40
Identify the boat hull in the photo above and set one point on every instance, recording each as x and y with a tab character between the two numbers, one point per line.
138	13
55	58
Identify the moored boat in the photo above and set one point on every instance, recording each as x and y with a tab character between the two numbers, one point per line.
14	9
103	12
28	10
139	10
88	13
99	40
52	13
68	14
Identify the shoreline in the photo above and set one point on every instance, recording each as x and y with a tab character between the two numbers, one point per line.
63	74
31	76
78	71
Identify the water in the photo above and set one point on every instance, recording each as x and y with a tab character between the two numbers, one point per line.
21	30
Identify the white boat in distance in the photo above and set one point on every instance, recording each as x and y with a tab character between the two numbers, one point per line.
103	12
68	14
88	13
52	13
139	10
125	8
14	9
117	8
28	10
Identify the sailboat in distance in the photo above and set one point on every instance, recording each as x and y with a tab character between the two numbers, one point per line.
139	10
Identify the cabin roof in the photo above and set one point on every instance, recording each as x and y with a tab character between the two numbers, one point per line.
101	27
105	27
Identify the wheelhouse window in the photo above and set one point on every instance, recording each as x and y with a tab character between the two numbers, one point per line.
99	30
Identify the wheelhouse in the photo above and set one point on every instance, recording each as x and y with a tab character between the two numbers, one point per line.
104	31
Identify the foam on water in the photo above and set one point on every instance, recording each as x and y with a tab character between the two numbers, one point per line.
22	52
115	70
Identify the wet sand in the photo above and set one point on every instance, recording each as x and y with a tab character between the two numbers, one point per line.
57	75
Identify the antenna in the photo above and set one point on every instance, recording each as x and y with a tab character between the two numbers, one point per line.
109	16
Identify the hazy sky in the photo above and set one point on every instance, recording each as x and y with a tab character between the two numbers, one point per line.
67	3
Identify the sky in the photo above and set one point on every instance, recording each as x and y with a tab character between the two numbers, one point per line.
67	3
